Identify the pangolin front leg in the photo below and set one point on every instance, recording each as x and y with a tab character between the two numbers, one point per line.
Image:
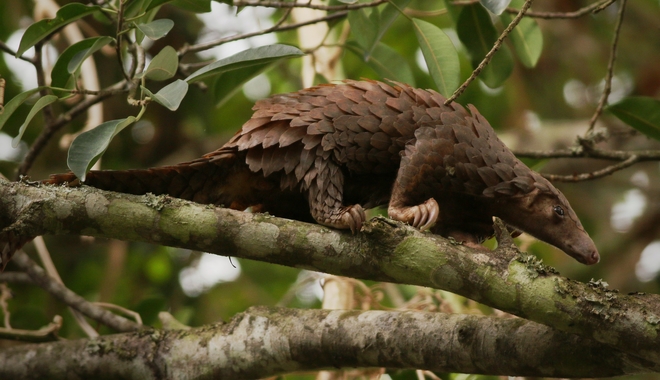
325	195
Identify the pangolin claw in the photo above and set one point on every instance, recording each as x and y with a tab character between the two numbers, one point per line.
353	217
421	216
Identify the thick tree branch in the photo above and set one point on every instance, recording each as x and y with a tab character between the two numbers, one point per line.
384	251
267	341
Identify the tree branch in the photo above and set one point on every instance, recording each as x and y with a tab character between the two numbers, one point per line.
70	298
383	251
265	342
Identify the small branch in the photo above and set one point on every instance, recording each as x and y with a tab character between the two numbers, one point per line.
610	69
309	5
593	8
16	278
119	36
70	298
47	333
489	55
579	152
9	50
41	81
276	28
633	159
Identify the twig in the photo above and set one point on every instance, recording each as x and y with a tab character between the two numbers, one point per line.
47	333
610	69
49	266
15	278
493	50
120	35
286	4
199	47
5	294
614	155
41	82
50	129
593	175
593	8
70	298
9	50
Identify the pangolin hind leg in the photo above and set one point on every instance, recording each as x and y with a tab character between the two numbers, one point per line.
412	200
325	195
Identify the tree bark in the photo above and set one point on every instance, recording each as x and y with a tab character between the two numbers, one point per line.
384	251
268	341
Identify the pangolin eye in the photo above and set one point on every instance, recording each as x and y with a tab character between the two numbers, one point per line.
558	210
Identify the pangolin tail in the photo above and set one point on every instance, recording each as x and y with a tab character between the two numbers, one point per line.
205	180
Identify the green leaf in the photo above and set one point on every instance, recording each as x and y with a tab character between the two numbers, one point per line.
499	69
197	6
475	29
90	145
369	29
246	58
386	62
65	70
495	6
364	27
78	59
527	40
42	29
641	113
440	56
41	103
156	3
171	95
156	29
13	104
163	66
228	84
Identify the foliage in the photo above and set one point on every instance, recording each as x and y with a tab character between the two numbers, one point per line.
148	51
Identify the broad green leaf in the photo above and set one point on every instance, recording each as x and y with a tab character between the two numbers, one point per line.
78	58
65	69
41	103
156	29
155	3
380	22
171	95
163	66
90	145
527	39
364	27
641	113
42	29
475	29
386	62
197	6
228	84
246	58
499	69
134	8
440	56
495	6
13	104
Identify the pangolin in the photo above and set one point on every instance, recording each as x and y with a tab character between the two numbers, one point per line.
329	152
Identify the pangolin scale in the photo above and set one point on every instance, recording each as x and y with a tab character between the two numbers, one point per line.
328	152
